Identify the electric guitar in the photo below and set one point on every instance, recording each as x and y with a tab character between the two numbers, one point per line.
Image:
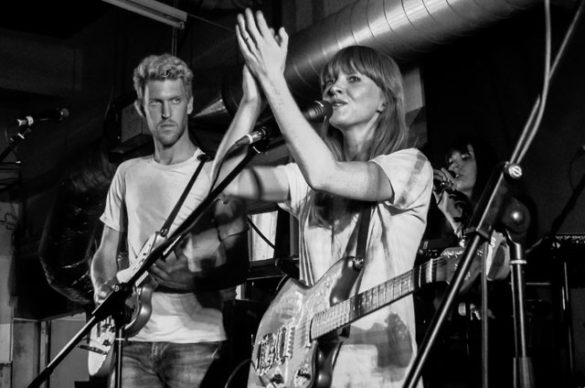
295	341
102	335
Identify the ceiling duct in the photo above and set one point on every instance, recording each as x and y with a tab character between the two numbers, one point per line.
403	29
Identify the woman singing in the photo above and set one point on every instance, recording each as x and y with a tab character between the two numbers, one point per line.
358	167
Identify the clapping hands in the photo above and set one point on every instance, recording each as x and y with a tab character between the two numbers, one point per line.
263	50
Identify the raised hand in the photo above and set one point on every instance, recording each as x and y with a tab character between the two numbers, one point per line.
264	51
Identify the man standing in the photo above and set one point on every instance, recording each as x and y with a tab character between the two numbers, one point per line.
182	336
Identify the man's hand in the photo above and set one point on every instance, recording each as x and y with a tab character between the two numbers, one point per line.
173	273
102	290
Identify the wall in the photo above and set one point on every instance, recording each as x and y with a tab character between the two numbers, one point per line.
8	220
74	367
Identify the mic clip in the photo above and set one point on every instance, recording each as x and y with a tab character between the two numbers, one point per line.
253	137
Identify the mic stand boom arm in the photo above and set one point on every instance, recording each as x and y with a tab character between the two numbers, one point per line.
115	300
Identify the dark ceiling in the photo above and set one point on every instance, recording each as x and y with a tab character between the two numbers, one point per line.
57	19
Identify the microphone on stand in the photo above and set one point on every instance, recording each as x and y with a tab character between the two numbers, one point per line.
443	185
255	136
52	115
24	124
318	111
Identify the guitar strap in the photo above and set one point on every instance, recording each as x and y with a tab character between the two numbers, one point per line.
363	225
362	237
361	233
164	230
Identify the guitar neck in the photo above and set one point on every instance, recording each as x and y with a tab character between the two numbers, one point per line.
125	275
368	301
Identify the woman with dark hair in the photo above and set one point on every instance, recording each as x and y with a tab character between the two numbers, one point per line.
473	151
458	185
355	188
468	165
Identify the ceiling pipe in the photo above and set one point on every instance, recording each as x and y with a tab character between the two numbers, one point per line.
403	29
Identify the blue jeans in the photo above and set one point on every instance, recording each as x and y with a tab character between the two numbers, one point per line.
165	364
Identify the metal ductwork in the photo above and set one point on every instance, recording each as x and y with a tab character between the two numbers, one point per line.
403	29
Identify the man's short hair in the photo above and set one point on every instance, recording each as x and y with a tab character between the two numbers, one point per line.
160	68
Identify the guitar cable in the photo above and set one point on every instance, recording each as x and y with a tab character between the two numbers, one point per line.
235	371
259	232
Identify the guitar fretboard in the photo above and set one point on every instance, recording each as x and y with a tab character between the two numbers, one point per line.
366	302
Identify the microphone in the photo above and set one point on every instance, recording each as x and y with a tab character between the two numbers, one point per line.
51	115
319	110
444	185
253	137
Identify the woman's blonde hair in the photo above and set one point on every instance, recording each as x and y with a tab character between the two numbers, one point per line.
391	131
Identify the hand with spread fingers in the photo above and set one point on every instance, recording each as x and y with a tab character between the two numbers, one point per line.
264	51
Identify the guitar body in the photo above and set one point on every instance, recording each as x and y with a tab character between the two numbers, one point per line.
140	305
138	311
297	340
283	353
100	358
103	334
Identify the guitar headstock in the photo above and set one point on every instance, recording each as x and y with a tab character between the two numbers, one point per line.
448	262
495	253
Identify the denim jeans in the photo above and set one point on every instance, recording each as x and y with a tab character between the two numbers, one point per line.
165	364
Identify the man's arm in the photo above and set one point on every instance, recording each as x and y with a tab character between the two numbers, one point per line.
104	264
218	253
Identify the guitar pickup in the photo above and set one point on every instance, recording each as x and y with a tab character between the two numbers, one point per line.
266	353
281	345
93	349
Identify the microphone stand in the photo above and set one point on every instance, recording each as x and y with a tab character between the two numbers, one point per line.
14	141
114	303
522	367
482	226
485	215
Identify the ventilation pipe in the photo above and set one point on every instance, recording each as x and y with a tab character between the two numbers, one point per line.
403	29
